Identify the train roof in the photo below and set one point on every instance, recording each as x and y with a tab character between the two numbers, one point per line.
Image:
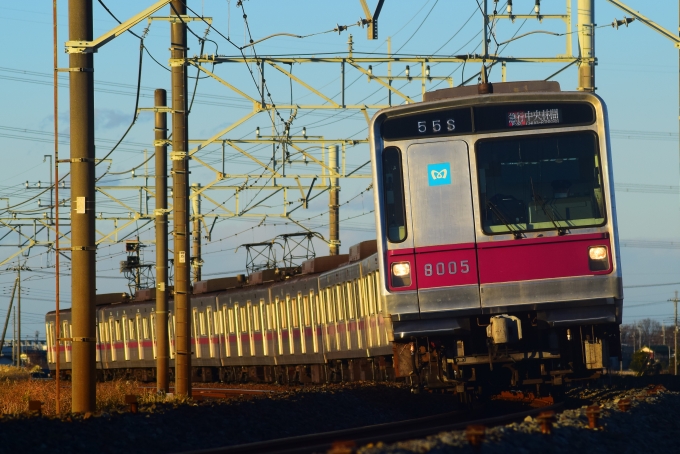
529	86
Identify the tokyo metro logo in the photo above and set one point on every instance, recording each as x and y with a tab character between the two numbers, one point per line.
439	174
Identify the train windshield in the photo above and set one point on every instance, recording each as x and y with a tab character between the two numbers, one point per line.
540	183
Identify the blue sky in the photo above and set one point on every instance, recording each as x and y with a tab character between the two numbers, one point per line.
637	76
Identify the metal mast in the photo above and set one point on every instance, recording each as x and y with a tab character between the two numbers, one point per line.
161	135
586	38
83	277
180	190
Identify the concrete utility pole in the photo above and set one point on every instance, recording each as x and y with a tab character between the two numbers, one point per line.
180	190
675	333
334	205
586	43
196	261
19	311
161	135
83	260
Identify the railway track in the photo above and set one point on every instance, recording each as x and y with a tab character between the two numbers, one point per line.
348	439
220	393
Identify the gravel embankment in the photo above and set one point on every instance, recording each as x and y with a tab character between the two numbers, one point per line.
166	428
650	425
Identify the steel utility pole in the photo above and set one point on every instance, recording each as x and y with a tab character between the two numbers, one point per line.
180	191
161	135
586	43
675	333
334	205
83	260
196	261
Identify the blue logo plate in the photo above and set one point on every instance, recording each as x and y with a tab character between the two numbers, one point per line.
439	174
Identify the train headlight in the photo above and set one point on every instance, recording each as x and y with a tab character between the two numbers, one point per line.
598	258
401	274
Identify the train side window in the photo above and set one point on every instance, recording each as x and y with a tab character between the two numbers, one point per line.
294	313
393	198
339	300
132	330
376	293
351	301
145	327
330	304
118	330
211	325
201	318
256	317
243	320
231	321
305	308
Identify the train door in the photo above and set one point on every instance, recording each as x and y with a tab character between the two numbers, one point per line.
443	226
98	345
112	338
66	329
315	313
210	322
140	335
126	339
251	325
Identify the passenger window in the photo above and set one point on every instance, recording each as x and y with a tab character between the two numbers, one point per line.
243	320
295	315
340	302
393	188
232	325
118	337
209	320
256	317
305	308
330	304
351	302
145	327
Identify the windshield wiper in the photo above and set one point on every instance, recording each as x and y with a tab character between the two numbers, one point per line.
518	233
538	199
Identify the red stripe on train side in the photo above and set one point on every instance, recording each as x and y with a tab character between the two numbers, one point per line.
539	258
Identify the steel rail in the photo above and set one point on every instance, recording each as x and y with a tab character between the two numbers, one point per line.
386	433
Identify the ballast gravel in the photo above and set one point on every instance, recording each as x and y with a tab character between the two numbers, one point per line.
652	424
181	427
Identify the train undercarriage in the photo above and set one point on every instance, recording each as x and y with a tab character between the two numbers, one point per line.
508	352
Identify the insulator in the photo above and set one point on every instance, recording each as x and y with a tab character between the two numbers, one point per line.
257	131
537	7
370	69
509	7
408	71
427	71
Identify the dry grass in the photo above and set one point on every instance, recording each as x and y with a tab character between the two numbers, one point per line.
16	389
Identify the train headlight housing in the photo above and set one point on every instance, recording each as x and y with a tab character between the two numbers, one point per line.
598	258
401	274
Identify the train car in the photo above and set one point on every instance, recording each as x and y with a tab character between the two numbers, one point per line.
497	235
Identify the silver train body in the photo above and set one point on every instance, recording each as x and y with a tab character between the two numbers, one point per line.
497	235
311	327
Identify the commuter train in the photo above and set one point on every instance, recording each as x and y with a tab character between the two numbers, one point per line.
496	264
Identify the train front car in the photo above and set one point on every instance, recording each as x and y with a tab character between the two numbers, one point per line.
497	236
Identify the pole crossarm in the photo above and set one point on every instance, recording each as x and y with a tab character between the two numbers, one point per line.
648	22
86	47
306	85
381	82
